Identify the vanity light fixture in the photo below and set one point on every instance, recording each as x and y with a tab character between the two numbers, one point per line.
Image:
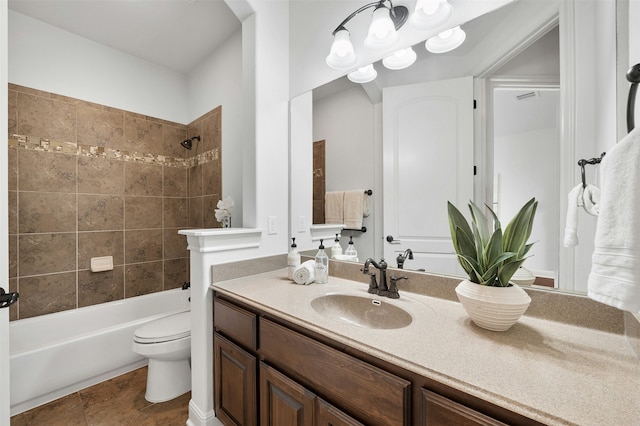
382	33
386	20
363	75
446	41
400	59
430	13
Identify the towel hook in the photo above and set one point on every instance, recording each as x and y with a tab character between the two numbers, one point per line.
584	162
633	75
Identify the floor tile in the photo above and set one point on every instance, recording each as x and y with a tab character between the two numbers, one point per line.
66	411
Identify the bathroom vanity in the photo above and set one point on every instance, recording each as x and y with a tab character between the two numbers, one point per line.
289	354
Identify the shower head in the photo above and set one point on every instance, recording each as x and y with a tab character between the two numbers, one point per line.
188	143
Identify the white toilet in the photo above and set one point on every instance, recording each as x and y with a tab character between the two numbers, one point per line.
167	344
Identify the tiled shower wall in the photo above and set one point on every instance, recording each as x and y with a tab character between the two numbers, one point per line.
86	180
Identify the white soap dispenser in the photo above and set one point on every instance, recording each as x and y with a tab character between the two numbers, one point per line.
351	251
293	259
336	250
321	267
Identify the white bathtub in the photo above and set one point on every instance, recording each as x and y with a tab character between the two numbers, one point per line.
57	354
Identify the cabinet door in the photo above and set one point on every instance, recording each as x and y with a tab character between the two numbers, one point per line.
234	383
440	411
328	415
283	402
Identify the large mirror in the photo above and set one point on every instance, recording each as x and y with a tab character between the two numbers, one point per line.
537	116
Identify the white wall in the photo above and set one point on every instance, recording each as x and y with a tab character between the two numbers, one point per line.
218	79
346	122
47	58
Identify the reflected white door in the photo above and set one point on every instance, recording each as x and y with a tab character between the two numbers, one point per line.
4	225
427	161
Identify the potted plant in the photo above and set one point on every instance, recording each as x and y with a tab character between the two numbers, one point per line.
490	257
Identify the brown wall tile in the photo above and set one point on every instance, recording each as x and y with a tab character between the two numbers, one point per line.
13	309
46	212
141	135
13	256
175	212
174	181
143	179
211	180
46	253
100	287
45	117
45	171
100	212
46	294
13	169
100	176
195	212
143	246
175	245
100	127
143	212
171	138
98	244
176	273
143	278
195	181
13	212
209	204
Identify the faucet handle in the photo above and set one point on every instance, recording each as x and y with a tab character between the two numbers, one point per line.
393	286
373	284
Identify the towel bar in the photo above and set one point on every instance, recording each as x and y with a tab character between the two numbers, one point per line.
633	75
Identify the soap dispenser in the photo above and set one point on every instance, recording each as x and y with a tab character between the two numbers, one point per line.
321	267
336	250
351	250
293	259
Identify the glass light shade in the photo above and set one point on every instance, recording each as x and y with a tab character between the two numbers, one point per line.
430	14
342	54
363	75
446	41
401	59
382	31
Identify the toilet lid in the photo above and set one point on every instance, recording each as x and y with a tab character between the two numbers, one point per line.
165	329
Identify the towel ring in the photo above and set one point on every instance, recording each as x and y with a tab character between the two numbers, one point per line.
584	162
633	75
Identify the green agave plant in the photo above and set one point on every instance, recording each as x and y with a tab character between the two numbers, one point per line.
491	257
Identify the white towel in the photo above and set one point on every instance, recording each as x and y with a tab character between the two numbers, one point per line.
304	274
586	197
366	205
334	207
353	208
591	200
615	270
571	224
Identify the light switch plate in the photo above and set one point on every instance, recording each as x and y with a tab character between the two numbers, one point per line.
273	225
302	224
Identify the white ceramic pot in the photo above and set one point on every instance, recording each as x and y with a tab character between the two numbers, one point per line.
493	308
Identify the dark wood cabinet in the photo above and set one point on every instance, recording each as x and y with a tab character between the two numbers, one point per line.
284	402
440	411
269	371
235	383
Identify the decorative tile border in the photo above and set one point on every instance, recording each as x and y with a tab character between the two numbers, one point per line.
46	145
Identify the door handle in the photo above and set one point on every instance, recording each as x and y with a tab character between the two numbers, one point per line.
391	240
7	299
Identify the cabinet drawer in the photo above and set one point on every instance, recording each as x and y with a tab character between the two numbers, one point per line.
235	323
440	411
371	394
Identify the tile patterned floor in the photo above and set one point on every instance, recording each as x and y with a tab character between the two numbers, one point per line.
116	402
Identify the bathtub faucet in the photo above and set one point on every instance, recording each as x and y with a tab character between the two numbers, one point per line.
186	285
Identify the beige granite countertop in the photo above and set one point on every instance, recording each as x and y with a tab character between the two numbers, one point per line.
549	371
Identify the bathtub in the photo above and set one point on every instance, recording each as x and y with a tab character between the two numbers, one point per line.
57	354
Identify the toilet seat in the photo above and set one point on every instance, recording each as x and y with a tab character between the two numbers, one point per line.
172	327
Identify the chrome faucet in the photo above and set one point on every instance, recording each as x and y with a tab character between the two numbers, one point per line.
380	288
403	256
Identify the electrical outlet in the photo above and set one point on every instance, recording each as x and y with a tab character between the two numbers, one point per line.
301	224
273	225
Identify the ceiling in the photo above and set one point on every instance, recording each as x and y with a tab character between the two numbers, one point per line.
176	34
